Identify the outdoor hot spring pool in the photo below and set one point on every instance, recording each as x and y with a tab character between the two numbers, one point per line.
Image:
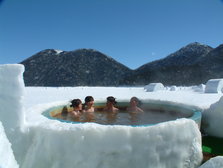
154	112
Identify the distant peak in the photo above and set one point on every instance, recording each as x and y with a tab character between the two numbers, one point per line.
196	44
50	51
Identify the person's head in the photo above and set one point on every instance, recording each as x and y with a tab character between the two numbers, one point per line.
89	100
76	103
111	100
134	101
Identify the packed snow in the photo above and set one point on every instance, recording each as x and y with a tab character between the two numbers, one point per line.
154	87
40	142
214	86
7	159
212	119
216	162
12	97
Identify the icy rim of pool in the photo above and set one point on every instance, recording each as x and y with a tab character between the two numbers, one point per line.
194	112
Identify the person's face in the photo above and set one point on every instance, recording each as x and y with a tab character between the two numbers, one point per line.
109	104
80	106
90	103
133	102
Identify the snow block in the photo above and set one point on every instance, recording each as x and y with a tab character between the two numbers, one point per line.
214	86
199	88
11	99
173	88
171	144
212	119
154	87
7	159
216	162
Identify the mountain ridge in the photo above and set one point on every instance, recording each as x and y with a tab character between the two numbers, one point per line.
74	68
89	67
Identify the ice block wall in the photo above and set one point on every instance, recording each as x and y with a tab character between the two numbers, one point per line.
7	159
212	119
11	97
166	145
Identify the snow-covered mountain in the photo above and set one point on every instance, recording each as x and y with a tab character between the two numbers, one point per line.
75	68
187	55
212	63
191	65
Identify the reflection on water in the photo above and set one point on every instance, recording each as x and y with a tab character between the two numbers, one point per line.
123	117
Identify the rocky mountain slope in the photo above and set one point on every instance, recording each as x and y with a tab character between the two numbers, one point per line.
75	68
191	65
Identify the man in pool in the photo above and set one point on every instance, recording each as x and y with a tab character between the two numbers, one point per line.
88	109
133	105
110	105
89	104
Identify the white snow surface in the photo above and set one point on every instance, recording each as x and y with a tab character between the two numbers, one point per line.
186	95
50	143
216	162
7	159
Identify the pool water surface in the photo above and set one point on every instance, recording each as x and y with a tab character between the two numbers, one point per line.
151	115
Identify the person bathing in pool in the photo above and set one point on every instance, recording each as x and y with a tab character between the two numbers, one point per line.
77	109
111	110
89	104
88	109
110	105
134	105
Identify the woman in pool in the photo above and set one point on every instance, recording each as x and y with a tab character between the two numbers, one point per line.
110	105
133	105
77	108
89	104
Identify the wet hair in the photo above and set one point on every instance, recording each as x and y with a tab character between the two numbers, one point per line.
139	103
75	103
88	99
64	111
111	99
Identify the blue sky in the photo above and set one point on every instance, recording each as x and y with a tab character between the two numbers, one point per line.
133	32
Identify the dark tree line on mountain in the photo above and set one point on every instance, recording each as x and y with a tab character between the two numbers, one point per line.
191	65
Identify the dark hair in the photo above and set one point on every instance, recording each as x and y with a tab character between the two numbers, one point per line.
88	99
139	103
64	111
111	99
75	102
